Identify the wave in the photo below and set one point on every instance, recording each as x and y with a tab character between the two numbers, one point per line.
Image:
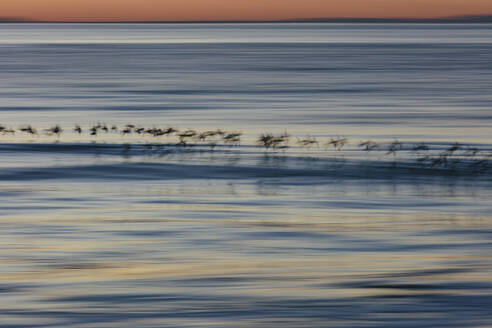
171	162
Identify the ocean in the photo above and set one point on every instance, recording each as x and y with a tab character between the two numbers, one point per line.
321	175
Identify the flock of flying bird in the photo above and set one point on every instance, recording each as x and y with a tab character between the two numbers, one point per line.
212	137
229	138
447	158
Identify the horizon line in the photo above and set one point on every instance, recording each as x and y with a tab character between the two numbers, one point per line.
487	18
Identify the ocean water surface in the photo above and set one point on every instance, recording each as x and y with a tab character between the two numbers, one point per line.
133	230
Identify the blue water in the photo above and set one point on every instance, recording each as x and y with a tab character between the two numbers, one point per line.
132	230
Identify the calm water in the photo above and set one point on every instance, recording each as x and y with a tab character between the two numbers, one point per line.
113	231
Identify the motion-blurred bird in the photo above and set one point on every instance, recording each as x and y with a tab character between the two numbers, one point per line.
54	130
29	129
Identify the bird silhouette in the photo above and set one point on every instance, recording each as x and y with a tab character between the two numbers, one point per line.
126	130
337	143
308	142
29	130
369	145
93	130
54	130
8	131
233	138
270	141
170	131
186	135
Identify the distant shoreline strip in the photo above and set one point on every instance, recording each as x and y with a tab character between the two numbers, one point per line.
474	19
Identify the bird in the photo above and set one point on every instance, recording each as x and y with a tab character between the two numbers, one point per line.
28	129
204	135
187	134
369	145
337	143
126	130
308	142
269	140
265	140
54	130
232	138
170	131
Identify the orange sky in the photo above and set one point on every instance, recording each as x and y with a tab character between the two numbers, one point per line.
176	10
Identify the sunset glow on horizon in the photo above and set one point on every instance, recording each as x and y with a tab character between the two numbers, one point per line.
209	10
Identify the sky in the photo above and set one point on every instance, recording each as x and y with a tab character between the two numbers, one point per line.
193	10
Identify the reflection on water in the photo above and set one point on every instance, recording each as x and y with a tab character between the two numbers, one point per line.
99	235
234	248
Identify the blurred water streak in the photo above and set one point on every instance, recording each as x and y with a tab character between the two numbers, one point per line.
95	236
